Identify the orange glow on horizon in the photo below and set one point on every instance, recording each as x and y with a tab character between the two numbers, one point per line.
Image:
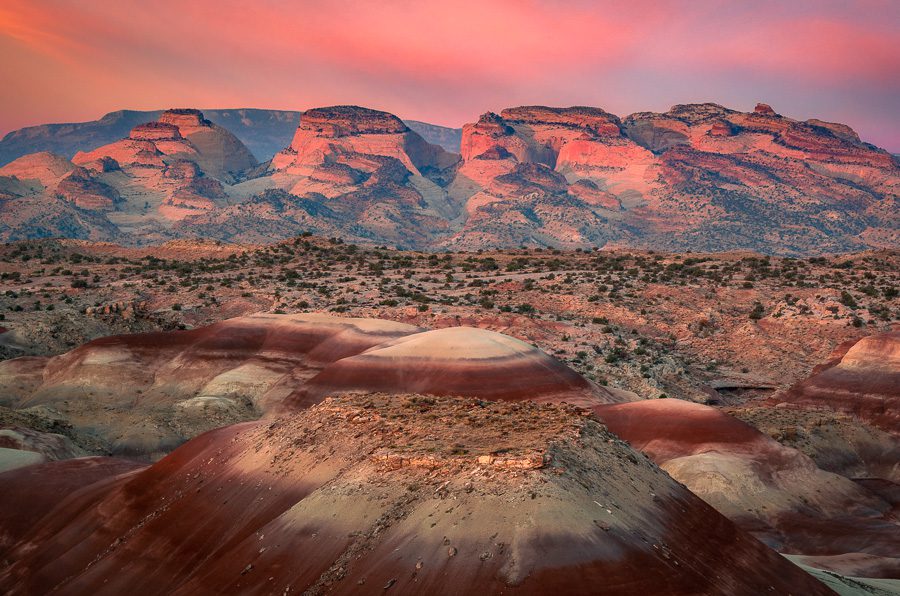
448	62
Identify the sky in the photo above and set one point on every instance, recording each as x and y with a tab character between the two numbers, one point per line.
448	62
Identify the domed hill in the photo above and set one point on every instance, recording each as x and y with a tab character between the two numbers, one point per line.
57	182
775	492
458	361
540	134
221	154
144	394
862	379
373	493
349	133
382	181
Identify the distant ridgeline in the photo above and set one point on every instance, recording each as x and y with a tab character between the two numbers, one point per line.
698	177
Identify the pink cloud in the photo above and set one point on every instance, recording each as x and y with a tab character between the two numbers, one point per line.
444	61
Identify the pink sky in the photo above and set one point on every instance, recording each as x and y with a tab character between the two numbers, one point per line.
447	62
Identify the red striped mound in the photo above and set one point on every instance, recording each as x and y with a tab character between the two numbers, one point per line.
144	394
862	379
38	489
775	492
459	361
400	495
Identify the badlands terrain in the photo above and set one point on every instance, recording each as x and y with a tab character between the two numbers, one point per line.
698	177
254	351
318	416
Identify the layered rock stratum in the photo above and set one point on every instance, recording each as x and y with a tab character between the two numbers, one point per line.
698	177
862	378
774	492
264	132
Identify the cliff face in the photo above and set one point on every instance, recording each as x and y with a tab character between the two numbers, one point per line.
220	154
698	177
43	194
325	133
371	174
264	132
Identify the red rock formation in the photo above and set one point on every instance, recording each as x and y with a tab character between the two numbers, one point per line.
181	134
220	154
861	378
173	167
48	195
722	128
45	168
187	120
536	133
341	121
214	375
764	109
326	133
591	120
155	131
698	177
242	367
83	189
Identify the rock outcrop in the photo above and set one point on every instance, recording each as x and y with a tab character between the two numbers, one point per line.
325	134
45	195
459	361
44	168
862	378
178	134
376	176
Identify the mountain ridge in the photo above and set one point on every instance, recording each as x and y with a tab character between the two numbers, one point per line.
278	127
698	177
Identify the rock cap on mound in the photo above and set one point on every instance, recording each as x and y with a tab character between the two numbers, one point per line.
184	117
340	121
155	131
594	119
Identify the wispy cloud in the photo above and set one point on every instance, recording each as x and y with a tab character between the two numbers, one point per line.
448	61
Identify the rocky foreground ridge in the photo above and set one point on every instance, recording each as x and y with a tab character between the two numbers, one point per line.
367	471
698	177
